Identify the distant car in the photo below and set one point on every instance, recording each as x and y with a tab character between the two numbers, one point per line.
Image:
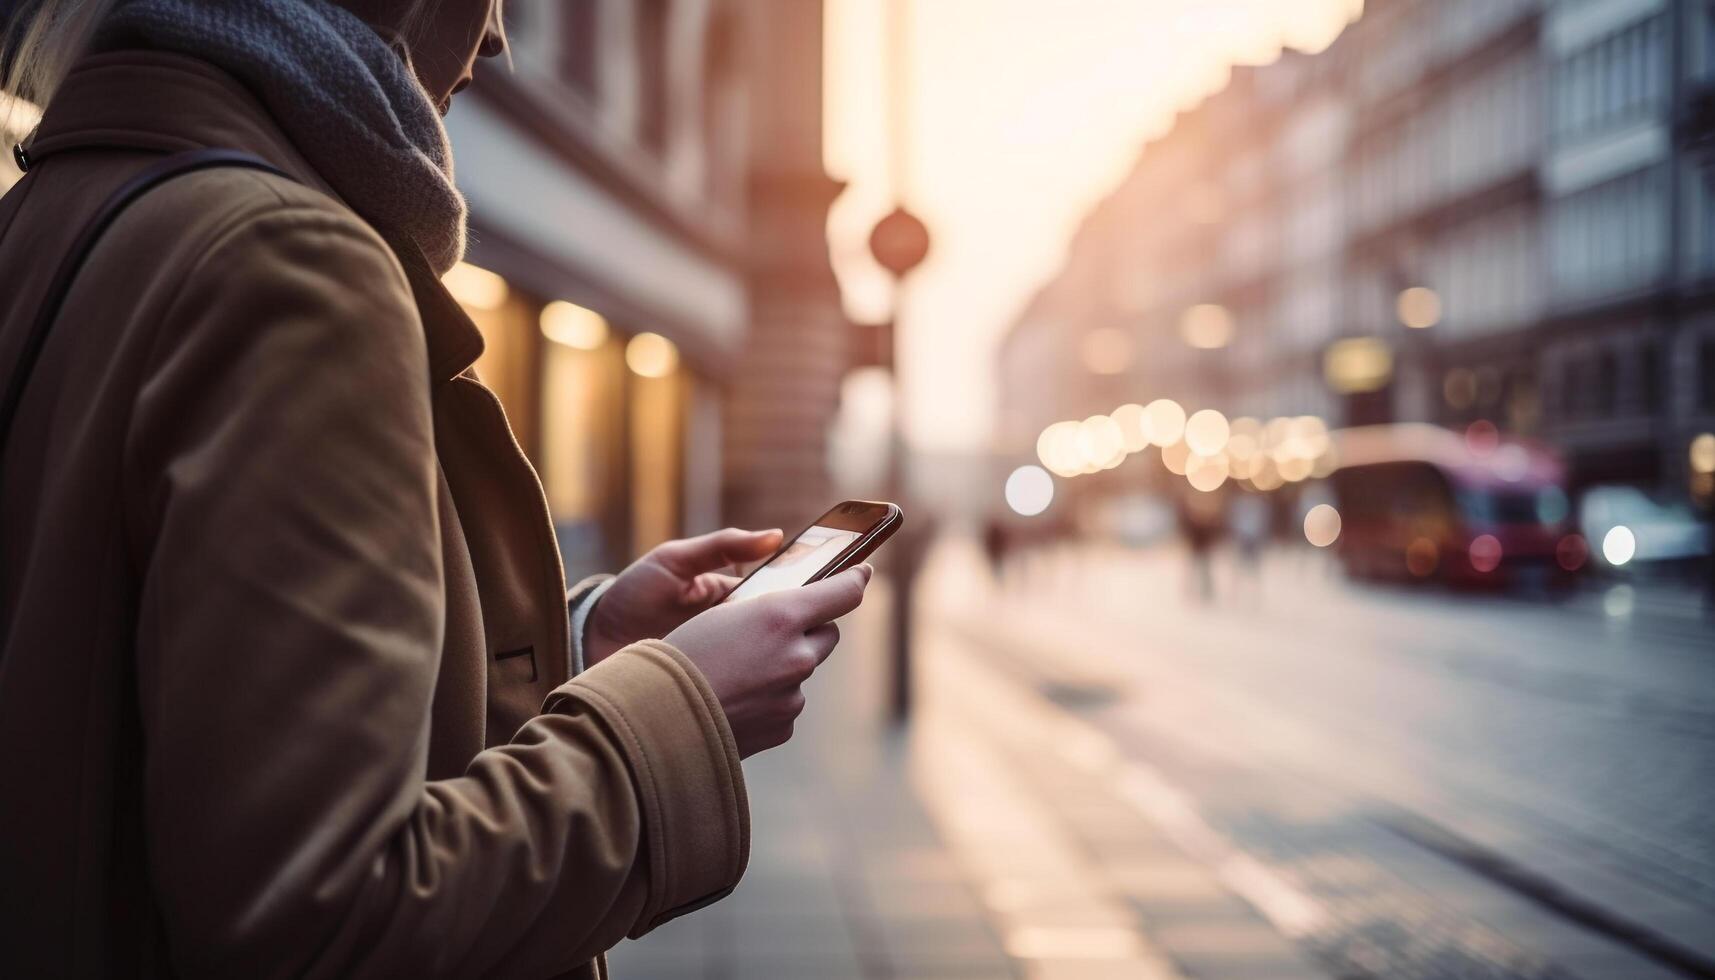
1629	528
1418	502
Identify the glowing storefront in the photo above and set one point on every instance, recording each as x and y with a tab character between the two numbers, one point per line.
647	199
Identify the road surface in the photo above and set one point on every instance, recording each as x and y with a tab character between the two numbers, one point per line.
1402	783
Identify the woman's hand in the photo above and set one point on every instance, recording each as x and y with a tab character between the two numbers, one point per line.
757	653
669	585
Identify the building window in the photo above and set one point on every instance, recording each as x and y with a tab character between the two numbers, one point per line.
1615	80
1611	237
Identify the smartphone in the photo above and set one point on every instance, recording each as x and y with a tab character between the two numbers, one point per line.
844	536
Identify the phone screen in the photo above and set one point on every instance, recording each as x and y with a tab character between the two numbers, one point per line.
808	554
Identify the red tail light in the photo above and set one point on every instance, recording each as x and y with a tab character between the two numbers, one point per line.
1572	552
1485	553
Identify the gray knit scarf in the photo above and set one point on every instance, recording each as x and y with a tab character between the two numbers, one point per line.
347	99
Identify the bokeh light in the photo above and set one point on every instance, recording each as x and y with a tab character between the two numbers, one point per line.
1100	442
1133	427
1322	525
1243	447
1295	468
651	355
1175	456
1702	453
475	287
1482	438
1619	545
1057	448
1265	476
1325	464
1485	553
1552	505
1357	365
1274	435
1166	421
1029	490
1206	473
1309	435
1206	433
1206	326
1244	439
573	325
1572	552
1459	388
1419	307
1422	556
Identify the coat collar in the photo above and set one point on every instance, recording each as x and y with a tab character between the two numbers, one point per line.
166	103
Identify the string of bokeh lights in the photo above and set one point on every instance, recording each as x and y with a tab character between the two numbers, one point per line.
1205	448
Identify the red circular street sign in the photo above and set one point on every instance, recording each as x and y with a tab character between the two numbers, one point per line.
899	242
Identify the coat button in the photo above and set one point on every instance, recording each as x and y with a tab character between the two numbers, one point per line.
21	157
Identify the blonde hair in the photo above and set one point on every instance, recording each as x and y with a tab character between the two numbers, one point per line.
41	42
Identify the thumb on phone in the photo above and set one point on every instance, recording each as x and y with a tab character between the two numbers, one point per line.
833	597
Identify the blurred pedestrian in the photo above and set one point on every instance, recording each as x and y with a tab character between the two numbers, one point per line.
1249	518
995	547
1199	516
279	596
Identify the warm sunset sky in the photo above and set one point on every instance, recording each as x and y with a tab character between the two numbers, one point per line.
1023	113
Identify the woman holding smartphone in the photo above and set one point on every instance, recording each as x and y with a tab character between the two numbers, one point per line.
286	656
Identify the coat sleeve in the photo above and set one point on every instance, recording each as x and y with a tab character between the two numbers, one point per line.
282	514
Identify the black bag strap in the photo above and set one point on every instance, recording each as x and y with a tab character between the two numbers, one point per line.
59	287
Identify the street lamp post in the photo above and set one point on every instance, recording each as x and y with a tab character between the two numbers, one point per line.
900	243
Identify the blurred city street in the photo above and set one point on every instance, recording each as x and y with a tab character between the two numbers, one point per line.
1301	778
1299	416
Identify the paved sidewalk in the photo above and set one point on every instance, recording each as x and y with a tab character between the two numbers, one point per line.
848	876
991	839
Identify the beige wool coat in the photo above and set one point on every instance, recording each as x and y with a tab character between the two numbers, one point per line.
284	644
